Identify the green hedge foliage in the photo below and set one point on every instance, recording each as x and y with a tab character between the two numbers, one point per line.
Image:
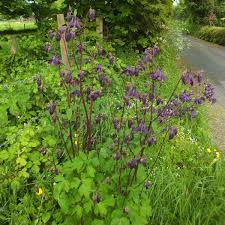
212	34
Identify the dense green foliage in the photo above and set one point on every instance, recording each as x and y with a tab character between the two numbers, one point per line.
212	34
39	185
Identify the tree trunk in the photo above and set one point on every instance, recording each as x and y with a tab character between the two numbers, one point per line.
99	27
13	45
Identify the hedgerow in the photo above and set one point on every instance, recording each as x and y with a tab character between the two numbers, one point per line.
212	34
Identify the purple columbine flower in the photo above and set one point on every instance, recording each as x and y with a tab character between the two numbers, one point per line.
88	91
95	95
51	34
80	47
76	93
143	161
68	36
55	60
69	78
99	68
62	74
51	108
187	79
172	132
69	16
198	101
185	96
58	36
151	141
129	71
75	23
130	123
110	56
47	47
209	92
132	164
116	124
103	80
117	156
100	51
141	128
92	14
192	113
81	75
158	76
147	184
96	198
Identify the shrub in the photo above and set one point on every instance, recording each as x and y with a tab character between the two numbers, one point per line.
213	34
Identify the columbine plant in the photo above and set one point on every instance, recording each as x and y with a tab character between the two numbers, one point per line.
111	123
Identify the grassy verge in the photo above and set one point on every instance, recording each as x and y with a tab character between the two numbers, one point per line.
9	27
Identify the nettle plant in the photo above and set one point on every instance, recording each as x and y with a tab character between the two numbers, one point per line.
112	123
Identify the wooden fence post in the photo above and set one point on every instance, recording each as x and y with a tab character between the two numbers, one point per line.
63	43
99	26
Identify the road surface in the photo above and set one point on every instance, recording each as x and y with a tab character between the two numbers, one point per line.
199	54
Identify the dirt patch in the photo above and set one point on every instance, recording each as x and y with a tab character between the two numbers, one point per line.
216	115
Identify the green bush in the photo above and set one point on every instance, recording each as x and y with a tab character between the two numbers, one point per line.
212	34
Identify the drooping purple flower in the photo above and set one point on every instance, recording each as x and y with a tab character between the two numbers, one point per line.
43	151
192	113
76	93
117	156
69	78
209	92
62	29
129	71
62	74
198	100
51	34
75	23
51	108
80	47
187	79
158	76
172	132
58	36
141	128
69	16
151	141
99	118
147	184
68	36
199	77
110	56
92	14
100	51
130	123
131	92
103	80
81	75
116	124
143	161
185	96
132	164
95	95
47	47
96	198
55	60
88	91
99	68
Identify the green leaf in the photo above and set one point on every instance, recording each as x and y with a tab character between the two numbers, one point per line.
3	116
79	211
91	171
98	222
86	187
101	209
4	155
46	216
21	161
121	221
109	201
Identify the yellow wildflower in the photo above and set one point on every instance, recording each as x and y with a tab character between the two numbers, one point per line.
209	150
75	142
39	192
217	155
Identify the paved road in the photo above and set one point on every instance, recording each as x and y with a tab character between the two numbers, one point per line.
199	54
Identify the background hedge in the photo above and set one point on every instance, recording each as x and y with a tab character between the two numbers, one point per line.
212	34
